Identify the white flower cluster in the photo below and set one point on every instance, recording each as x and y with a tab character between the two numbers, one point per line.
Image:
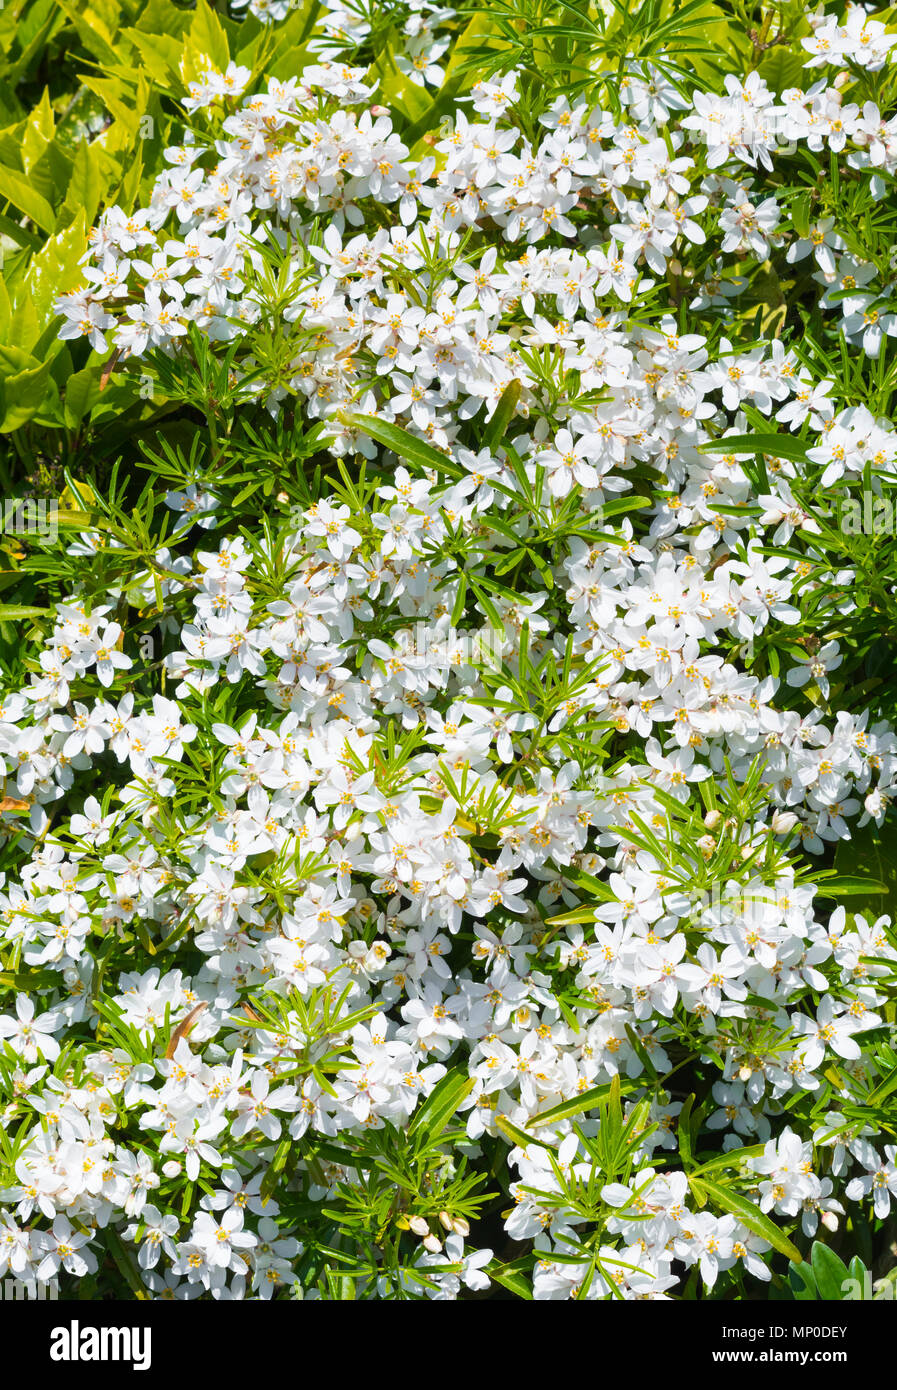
857	39
418	888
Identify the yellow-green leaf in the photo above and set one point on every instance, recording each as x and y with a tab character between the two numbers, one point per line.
16	189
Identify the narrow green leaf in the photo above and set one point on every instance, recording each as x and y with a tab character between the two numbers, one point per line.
514	1281
779	445
502	416
847	886
684	1131
587	1100
126	1266
518	1136
441	1104
747	1213
15	612
730	1159
406	445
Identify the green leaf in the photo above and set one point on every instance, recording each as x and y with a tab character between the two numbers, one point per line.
407	446
747	1213
844	885
589	884
779	445
290	39
587	1100
432	1117
829	1271
800	214
162	17
87	182
17	189
207	36
82	391
93	30
684	1131
52	271
730	1159
24	387
572	918
24	981
126	1266
45	21
275	1169
502	416
15	612
160	58
802	1282
781	69
516	1135
407	99
871	849
513	1280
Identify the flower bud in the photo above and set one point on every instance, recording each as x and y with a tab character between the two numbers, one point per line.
446	1220
712	819
433	1244
171	1168
419	1226
783	822
461	1226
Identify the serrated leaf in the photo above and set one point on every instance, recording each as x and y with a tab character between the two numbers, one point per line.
207	38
